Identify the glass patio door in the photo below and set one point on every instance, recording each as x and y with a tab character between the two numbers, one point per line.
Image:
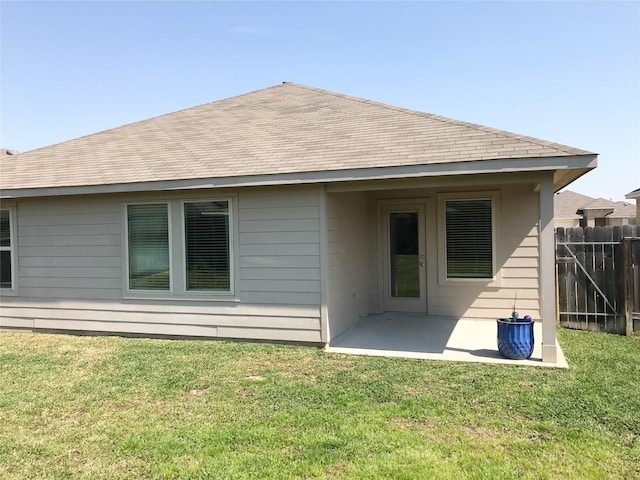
404	258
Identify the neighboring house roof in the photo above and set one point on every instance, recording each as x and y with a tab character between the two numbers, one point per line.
567	203
599	204
634	194
286	131
623	210
615	209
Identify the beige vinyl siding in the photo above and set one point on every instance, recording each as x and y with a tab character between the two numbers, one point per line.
617	221
279	237
71	270
349	259
156	318
517	258
70	248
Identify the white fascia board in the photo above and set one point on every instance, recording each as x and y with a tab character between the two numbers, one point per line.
506	165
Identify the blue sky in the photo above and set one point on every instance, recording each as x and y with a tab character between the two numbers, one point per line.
562	71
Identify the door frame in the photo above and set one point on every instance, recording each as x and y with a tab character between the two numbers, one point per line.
386	302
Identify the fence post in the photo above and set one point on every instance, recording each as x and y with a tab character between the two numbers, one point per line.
628	285
560	275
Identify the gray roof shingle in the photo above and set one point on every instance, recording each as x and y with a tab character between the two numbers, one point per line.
567	204
287	128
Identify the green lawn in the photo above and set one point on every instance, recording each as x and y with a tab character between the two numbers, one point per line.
406	276
109	407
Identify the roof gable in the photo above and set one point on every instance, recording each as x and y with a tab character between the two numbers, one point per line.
623	210
633	194
599	204
285	129
567	203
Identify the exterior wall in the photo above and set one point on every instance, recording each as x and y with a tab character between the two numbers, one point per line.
348	223
594	222
71	266
71	269
617	221
517	256
517	261
595	217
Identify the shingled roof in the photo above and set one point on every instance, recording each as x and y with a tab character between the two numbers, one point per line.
633	194
284	129
568	204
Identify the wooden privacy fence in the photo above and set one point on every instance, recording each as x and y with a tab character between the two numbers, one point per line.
631	248
598	278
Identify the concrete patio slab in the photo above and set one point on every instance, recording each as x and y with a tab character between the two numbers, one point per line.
432	338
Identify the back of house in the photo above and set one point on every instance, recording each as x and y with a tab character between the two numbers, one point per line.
287	214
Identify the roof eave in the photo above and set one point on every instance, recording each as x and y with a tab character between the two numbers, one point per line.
566	169
634	194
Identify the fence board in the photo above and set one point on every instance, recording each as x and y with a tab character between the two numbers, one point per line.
589	262
577	236
590	268
609	287
632	284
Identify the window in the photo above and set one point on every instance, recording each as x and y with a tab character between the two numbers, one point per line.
6	249
207	262
189	257
469	238
148	232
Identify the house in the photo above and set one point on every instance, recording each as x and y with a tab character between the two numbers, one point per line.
572	209
622	213
565	208
288	214
635	195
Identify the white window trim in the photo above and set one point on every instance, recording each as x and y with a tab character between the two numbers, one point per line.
442	198
178	291
207	293
125	243
13	249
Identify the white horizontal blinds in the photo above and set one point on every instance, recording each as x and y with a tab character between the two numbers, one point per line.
148	231
469	234
207	246
5	249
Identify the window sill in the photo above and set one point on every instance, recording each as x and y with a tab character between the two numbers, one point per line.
221	298
467	282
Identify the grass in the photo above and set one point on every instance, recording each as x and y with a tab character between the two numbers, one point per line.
110	407
406	276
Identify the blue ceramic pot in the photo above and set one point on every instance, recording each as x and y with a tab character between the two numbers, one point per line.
515	339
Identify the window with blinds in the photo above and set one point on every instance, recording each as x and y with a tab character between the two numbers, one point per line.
148	237
207	262
469	238
6	261
203	263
